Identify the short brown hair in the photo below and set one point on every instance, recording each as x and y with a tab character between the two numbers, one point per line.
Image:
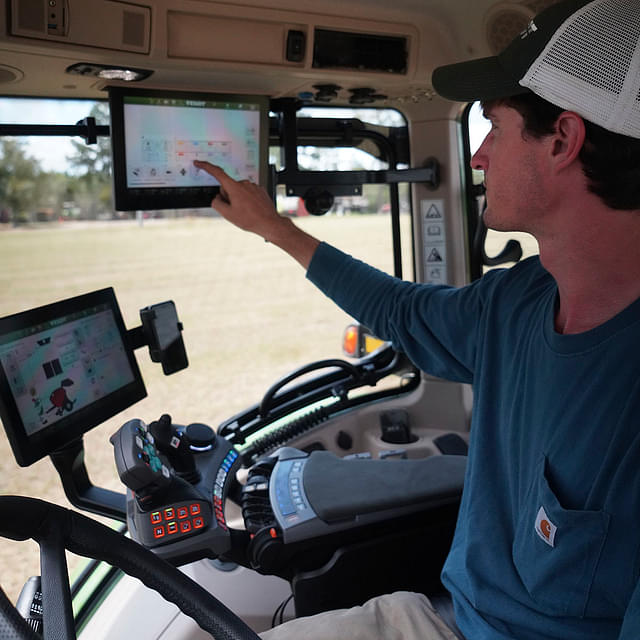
610	161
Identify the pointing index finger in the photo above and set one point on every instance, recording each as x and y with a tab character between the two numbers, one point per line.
219	174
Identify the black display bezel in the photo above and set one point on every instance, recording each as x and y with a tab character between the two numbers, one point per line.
27	449
152	198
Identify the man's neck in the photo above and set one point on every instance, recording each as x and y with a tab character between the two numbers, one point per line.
596	264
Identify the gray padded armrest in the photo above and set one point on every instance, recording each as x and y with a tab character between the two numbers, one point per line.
338	488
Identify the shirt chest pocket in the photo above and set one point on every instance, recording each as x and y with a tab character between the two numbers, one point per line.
556	550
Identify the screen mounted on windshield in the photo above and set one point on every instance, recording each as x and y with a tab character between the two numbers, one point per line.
156	136
64	368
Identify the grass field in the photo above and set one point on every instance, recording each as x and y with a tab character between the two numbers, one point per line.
249	315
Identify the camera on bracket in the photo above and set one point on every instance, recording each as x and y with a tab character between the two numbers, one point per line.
318	201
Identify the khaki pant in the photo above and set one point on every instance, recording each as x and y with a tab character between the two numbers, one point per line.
397	616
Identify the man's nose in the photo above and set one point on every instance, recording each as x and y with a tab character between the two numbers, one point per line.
479	160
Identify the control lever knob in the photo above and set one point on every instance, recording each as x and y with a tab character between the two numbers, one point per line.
175	445
201	437
162	431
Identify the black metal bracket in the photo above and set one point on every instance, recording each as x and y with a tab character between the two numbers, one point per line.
350	182
298	182
69	462
329	183
86	129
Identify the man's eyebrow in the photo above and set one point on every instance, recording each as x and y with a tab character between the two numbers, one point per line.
489	113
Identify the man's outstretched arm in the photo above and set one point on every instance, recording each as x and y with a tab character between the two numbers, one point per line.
250	208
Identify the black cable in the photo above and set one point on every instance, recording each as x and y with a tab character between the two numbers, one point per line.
280	611
275	614
284	606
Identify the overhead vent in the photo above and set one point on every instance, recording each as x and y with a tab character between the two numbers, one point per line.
359	51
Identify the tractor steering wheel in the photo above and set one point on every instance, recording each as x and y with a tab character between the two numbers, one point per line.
56	529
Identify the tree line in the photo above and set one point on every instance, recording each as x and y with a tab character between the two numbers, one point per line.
30	194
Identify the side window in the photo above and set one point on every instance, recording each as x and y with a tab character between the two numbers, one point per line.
495	241
51	178
361	221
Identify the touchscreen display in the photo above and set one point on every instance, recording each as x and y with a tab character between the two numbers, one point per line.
163	136
64	369
156	135
63	365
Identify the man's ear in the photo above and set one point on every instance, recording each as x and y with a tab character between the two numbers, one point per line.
568	139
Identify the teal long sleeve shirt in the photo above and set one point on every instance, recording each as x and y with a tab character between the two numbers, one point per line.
548	537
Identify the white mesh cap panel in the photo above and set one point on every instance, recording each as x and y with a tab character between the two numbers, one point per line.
592	66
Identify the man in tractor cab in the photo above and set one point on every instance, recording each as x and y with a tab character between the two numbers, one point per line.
547	542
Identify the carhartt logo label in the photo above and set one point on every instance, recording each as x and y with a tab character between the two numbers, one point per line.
545	528
531	28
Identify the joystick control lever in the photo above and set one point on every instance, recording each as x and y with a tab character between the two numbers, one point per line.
174	444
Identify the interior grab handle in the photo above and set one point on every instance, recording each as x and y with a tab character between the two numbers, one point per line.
265	405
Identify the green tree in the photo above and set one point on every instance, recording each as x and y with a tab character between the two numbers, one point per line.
19	175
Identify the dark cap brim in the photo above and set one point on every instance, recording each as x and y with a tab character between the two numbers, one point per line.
480	79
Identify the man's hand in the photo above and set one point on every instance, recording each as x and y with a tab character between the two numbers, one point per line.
243	203
249	207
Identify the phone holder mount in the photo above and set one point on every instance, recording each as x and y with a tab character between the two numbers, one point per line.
161	331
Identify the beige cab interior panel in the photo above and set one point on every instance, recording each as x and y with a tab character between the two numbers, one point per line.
215	38
104	24
212	34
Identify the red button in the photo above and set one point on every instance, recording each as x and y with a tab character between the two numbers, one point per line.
156	517
198	523
183	512
169	514
172	527
194	509
158	532
185	526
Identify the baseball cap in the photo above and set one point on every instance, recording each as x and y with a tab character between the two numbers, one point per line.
581	55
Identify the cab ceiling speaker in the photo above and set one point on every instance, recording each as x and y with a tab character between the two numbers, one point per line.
503	22
9	74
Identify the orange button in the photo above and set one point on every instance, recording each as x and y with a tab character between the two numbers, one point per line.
183	512
194	509
185	526
158	532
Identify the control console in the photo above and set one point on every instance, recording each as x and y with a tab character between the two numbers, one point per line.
177	479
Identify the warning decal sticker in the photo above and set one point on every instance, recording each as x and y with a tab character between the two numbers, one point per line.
434	241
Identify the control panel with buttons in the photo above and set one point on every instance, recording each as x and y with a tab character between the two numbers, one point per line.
176	494
288	498
173	523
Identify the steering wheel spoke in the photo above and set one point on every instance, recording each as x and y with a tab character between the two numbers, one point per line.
56	529
56	595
